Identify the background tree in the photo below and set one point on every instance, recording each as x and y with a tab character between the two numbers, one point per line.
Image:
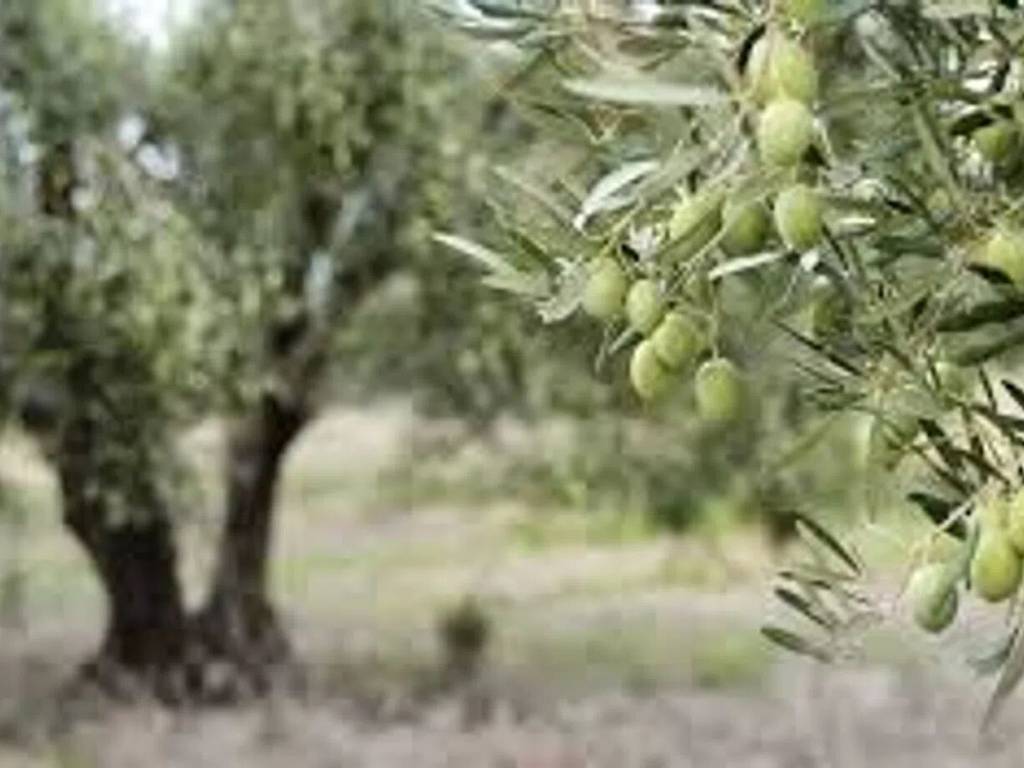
106	339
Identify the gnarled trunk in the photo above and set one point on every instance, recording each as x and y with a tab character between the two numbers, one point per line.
238	623
146	637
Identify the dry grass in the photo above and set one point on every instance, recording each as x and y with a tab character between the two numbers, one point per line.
611	648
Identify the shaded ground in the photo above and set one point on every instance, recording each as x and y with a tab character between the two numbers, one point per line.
612	647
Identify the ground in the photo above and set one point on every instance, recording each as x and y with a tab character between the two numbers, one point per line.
613	647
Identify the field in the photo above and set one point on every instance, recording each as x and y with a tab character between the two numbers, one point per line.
613	647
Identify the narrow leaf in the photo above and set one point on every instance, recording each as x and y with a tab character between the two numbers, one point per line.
605	195
492	260
1013	671
939	511
794	643
645	91
745	263
802	606
831	543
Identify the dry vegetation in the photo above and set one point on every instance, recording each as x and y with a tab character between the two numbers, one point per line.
612	647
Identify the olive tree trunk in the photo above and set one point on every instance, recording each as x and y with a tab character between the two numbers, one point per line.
146	637
238	622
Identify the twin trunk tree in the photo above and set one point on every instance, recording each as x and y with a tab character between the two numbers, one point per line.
150	637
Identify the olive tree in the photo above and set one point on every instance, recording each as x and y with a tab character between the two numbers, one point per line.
843	173
107	326
313	170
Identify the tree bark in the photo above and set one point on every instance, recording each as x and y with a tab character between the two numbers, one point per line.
238	622
146	637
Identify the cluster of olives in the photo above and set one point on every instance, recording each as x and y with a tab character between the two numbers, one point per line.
783	80
672	342
999	143
994	573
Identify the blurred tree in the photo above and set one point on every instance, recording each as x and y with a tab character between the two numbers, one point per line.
106	324
316	171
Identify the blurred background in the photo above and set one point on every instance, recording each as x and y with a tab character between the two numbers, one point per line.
256	420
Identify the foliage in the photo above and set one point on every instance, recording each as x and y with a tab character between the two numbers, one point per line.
106	316
884	141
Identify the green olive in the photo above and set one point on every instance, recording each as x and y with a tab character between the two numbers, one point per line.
996	566
695	222
997	142
830	310
1004	252
677	341
746	228
644	306
779	67
933	611
605	290
650	379
719	391
785	132
799	217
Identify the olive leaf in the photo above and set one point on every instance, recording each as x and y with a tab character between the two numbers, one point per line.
940	511
634	90
607	194
795	643
979	315
812	531
1013	671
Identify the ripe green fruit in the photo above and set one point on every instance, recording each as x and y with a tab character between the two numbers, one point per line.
779	67
719	391
933	611
798	217
644	306
996	567
1015	521
649	377
695	222
1004	252
605	290
785	132
806	12
677	341
830	310
997	141
746	228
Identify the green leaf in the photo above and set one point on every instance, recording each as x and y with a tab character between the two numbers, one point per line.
982	314
567	295
794	643
535	191
808	526
531	285
492	260
1013	671
604	196
979	353
640	91
803	606
1015	392
991	661
744	264
939	511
